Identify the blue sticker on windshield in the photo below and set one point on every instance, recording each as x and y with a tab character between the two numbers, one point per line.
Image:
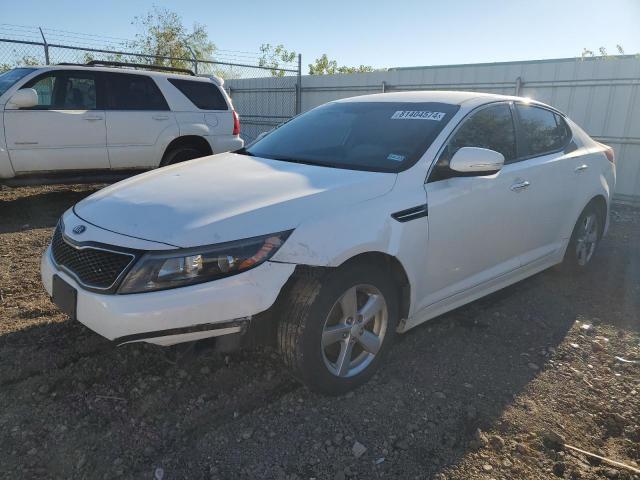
395	158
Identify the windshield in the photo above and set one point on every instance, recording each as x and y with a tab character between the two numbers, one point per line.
374	136
9	78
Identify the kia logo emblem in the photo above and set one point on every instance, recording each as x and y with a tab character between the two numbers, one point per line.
78	229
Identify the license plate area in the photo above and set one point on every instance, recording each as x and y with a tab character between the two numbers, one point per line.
65	296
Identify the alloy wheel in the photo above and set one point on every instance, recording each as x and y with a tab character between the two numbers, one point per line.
587	239
354	330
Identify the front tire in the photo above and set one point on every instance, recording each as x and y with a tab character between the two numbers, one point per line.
336	328
584	240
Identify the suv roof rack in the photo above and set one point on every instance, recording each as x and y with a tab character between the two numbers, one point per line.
95	63
105	63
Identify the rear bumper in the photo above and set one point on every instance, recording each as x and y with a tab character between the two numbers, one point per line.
184	314
225	143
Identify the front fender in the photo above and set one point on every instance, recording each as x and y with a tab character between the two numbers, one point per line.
368	227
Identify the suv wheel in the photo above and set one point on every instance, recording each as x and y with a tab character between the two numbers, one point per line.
180	154
584	240
335	330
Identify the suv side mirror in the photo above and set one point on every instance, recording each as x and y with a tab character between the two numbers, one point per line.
481	161
24	98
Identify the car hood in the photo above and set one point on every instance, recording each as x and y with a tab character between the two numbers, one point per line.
226	197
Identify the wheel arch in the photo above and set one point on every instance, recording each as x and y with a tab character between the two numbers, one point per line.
600	203
197	141
395	268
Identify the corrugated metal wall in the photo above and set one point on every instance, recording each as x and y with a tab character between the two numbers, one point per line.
599	94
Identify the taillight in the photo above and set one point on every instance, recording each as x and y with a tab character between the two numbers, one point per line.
611	156
608	152
236	123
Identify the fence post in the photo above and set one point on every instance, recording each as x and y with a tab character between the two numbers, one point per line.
518	86
46	46
299	86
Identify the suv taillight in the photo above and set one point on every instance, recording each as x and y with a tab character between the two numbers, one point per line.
608	152
236	124
611	156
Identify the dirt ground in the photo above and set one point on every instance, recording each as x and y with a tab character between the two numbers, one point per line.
488	391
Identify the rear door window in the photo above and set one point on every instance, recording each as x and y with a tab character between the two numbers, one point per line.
204	95
543	131
133	92
79	92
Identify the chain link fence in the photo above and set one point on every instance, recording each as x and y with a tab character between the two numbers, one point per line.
263	96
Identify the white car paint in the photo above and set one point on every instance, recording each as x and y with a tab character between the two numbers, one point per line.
244	197
481	233
52	141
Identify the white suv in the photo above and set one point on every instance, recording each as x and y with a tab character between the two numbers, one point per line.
356	220
64	121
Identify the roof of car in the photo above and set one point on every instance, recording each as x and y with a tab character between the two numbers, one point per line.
151	73
452	97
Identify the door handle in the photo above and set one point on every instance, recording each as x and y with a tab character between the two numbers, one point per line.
517	187
161	117
93	118
581	168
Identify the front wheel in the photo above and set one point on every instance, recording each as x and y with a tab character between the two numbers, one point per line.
336	329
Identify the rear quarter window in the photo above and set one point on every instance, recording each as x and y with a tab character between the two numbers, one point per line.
204	95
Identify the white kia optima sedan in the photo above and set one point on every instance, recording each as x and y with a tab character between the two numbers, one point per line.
357	220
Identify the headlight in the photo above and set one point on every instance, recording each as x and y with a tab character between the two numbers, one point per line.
178	268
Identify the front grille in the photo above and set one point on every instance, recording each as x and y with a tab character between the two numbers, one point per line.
93	267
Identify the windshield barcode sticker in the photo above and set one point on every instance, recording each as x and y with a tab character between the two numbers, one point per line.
417	115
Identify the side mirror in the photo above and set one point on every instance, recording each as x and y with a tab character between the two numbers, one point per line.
481	161
24	98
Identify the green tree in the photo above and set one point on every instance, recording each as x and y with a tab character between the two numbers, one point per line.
273	58
110	57
163	34
24	61
324	66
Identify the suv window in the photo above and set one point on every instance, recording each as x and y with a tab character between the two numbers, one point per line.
44	86
490	127
204	95
127	91
543	131
79	92
60	90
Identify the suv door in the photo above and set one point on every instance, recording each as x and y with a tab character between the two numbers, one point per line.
549	172
138	119
475	223
65	131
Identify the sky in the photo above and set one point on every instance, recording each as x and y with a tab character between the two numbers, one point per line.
380	33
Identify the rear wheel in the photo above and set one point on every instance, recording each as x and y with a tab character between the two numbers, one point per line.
584	240
181	154
335	330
